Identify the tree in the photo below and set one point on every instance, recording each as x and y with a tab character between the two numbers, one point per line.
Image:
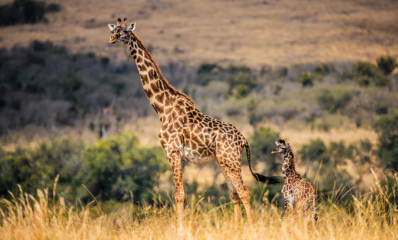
387	64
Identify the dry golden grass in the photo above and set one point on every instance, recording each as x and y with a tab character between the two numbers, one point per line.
370	216
248	32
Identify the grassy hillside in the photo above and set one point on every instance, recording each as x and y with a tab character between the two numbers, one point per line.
251	32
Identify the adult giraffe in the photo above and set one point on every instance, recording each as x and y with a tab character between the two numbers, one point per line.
186	133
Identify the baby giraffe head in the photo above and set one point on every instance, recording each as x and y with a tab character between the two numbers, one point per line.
121	32
281	147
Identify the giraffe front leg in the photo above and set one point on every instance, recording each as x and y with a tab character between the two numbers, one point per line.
175	161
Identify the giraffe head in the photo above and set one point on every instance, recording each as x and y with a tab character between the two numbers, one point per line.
121	32
281	147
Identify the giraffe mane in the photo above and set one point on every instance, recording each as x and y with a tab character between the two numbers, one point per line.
157	69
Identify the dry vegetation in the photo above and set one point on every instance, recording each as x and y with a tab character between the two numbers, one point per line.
245	32
370	216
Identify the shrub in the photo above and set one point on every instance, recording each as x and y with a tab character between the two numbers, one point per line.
363	81
37	168
336	100
206	68
21	11
242	84
316	150
282	71
3	103
232	69
306	79
324	69
262	143
381	80
104	61
118	87
91	55
386	63
366	72
53	8
34	88
364	69
251	107
387	129
112	166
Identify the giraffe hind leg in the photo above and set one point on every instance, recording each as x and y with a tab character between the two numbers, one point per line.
232	168
234	197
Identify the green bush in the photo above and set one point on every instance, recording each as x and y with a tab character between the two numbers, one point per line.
387	129
282	71
366	72
365	69
22	11
316	150
381	80
306	79
118	87
363	81
53	8
37	168
206	68
110	168
104	61
116	166
324	69
242	84
261	145
335	100
233	69
386	63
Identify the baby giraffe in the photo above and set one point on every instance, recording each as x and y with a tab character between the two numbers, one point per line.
297	193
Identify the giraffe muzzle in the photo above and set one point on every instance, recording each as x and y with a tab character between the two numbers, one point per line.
111	40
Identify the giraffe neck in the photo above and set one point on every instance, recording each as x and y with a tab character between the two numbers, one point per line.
288	168
156	87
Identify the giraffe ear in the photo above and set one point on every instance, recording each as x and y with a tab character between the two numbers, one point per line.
288	145
277	143
131	27
111	26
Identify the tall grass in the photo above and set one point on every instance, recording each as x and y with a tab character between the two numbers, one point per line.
373	215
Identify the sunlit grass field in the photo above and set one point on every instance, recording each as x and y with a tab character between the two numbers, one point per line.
369	216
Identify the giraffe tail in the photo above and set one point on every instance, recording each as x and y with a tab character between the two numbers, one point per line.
259	177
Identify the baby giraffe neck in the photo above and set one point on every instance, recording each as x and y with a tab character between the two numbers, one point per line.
288	168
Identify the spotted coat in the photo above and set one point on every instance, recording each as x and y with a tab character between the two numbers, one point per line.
297	193
186	134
